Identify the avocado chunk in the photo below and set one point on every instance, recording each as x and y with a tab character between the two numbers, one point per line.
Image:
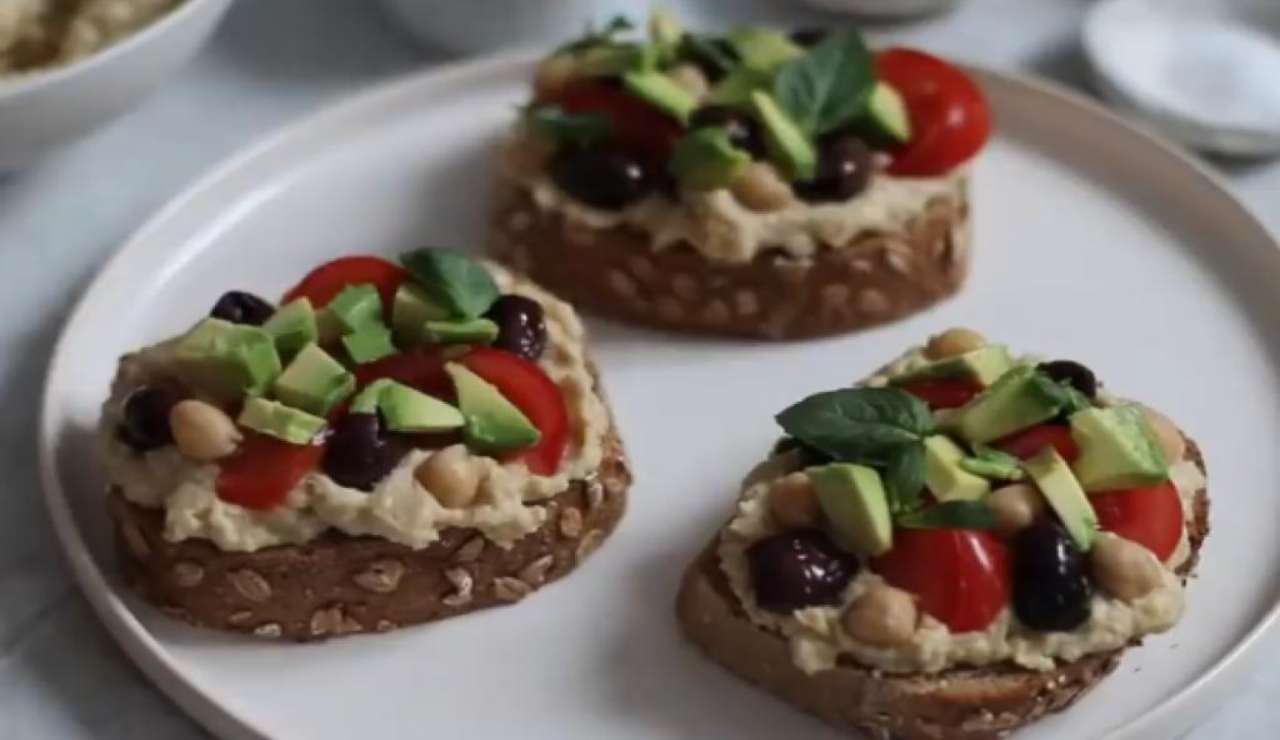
370	344
611	60
992	469
314	382
662	93
852	498
227	360
705	159
1053	477
280	421
788	146
887	114
1021	398
356	307
944	474
984	365
493	423
763	49
292	327
411	311
465	331
1118	449
407	409
366	401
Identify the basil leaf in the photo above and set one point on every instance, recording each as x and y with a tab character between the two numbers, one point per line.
569	128
858	424
951	515
829	86
710	50
904	478
453	280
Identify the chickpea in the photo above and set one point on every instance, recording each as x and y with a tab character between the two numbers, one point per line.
1172	443
1123	568
760	188
1016	506
689	77
203	431
883	616
451	476
553	74
953	342
794	502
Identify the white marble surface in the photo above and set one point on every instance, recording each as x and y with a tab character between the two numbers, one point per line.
273	60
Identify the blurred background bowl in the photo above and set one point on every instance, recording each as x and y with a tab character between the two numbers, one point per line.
478	26
42	111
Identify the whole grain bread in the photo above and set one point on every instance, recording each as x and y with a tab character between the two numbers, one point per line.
877	277
956	704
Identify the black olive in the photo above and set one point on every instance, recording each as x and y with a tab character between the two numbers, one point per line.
604	177
360	451
844	169
809	455
146	418
796	569
809	36
744	132
239	307
1051	587
1074	374
521	329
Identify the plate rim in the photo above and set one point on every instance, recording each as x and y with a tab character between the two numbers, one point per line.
155	661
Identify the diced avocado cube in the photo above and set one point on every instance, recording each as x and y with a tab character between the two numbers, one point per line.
293	327
356	307
407	409
706	160
366	401
314	382
227	360
369	344
944	475
887	113
763	49
609	60
466	331
1118	449
494	424
853	499
1021	398
662	93
984	365
280	421
789	148
412	309
992	469
1053	477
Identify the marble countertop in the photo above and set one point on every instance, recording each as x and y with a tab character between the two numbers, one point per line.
61	676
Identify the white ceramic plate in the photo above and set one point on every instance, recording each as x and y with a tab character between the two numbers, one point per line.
1094	242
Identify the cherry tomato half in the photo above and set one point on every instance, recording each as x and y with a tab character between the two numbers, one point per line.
950	120
638	126
960	576
1028	442
528	387
326	281
944	393
265	469
1150	516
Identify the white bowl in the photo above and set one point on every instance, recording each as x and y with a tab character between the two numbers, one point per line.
43	111
477	26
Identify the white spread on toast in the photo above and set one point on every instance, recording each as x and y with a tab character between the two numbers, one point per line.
399	509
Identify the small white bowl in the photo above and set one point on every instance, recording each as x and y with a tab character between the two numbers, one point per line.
43	111
1203	72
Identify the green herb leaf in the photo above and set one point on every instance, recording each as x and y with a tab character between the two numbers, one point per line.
864	425
705	159
710	50
616	26
951	515
904	478
1076	401
829	86
453	280
569	128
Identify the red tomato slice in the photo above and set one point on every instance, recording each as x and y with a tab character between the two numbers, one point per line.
326	281
1028	442
265	469
961	576
944	393
950	120
421	368
535	394
1150	516
637	125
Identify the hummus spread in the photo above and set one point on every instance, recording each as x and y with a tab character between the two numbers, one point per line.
818	639
44	33
399	508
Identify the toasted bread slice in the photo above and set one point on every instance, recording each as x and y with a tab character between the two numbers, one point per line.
956	704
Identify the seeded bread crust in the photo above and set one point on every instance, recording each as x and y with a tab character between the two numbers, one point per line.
877	277
338	584
956	704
